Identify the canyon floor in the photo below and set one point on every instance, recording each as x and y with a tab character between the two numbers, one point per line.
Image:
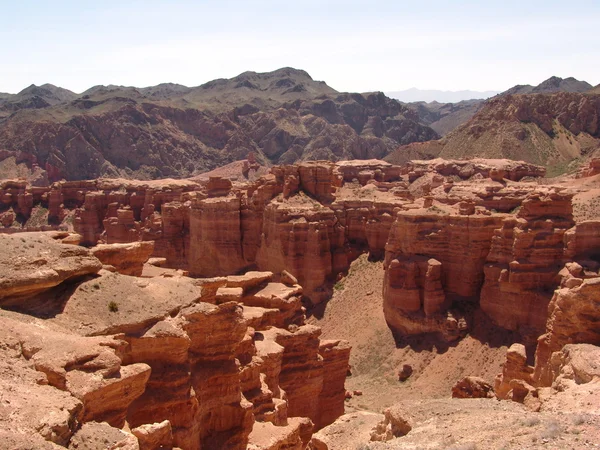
355	313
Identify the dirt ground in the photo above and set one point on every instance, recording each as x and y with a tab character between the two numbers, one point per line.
355	313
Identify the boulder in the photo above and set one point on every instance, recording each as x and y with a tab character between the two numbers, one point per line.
472	387
397	422
128	259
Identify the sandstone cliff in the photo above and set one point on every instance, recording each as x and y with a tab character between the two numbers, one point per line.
202	363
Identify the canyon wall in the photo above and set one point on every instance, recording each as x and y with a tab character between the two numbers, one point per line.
455	235
204	363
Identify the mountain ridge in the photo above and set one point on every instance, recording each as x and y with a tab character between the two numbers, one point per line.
170	130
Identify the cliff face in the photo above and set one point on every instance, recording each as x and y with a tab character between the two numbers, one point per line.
202	363
456	235
459	240
311	219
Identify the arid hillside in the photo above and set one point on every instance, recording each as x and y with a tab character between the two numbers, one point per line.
548	129
445	117
173	131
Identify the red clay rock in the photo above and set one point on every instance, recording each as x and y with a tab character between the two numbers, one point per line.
573	315
155	436
31	263
515	368
127	259
335	356
472	387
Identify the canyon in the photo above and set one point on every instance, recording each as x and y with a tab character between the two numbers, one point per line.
174	312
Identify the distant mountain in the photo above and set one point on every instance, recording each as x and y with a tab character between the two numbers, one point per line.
445	117
34	97
547	129
419	95
172	130
550	86
595	90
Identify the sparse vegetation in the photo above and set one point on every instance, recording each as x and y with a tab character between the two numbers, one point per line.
530	421
578	419
551	431
39	217
113	307
436	209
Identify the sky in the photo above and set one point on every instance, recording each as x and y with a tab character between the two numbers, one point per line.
355	46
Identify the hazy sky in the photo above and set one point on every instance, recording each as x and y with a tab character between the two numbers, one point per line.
352	45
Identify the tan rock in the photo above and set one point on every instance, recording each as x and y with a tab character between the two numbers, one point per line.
101	436
266	436
288	278
397	423
128	258
154	436
31	263
573	315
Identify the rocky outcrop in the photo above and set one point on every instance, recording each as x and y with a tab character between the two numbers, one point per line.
397	422
515	368
34	262
590	169
86	376
572	319
575	364
180	371
472	387
127	259
434	262
154	436
496	169
526	255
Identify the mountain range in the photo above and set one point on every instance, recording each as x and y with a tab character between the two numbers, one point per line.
284	116
171	130
445	117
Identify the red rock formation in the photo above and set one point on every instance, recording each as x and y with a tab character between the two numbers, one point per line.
472	387
182	372
215	238
434	261
497	169
524	261
335	354
572	319
515	368
42	263
128	258
592	168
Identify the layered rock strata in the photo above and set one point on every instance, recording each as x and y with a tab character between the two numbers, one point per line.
182	368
